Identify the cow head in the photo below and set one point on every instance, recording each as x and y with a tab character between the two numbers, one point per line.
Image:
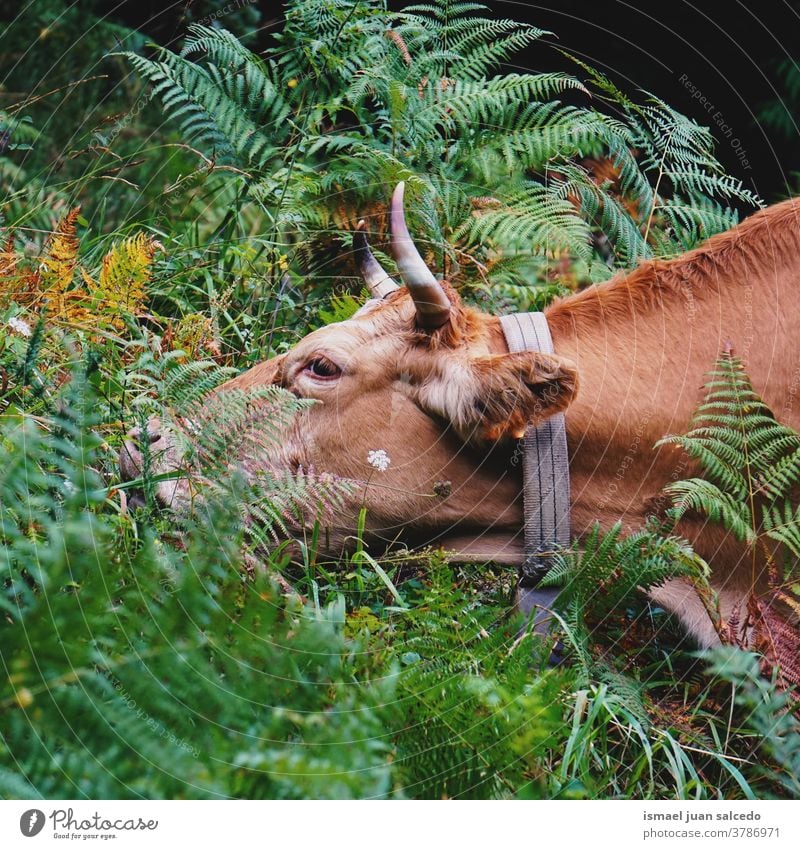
427	380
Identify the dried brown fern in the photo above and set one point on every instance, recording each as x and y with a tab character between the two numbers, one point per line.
194	334
8	257
767	626
119	290
18	283
395	37
56	272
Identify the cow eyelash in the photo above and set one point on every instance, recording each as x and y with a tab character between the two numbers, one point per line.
322	368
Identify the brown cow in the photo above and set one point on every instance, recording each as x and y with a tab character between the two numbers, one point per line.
431	381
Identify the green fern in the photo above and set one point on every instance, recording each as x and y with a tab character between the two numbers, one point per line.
27	368
750	461
476	724
173	651
751	467
607	572
186	384
352	98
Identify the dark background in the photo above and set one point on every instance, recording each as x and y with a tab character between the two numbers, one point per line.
729	50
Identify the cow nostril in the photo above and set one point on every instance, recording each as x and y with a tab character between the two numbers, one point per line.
153	436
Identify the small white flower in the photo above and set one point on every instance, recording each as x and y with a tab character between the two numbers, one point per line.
19	326
379	459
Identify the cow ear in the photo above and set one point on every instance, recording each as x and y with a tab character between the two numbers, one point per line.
512	391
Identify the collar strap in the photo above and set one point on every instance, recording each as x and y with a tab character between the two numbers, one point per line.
545	463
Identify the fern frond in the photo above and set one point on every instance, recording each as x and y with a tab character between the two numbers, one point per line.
188	383
752	468
782	524
606	573
57	268
121	288
296	501
708	499
736	439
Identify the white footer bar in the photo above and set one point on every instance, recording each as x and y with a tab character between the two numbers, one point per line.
405	825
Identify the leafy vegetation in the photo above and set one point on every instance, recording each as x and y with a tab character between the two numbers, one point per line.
502	167
168	251
751	465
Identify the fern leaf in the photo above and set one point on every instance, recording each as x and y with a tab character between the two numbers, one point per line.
57	271
704	497
121	288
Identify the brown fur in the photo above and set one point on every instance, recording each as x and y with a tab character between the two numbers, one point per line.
643	344
764	241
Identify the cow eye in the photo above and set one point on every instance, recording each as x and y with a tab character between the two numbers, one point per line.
322	368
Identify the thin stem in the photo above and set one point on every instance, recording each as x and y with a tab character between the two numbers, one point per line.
658	183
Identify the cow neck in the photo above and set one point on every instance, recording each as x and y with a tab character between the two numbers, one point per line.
545	474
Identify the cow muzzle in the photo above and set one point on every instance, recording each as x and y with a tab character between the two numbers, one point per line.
153	453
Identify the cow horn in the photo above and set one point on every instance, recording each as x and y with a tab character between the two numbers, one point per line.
433	306
378	281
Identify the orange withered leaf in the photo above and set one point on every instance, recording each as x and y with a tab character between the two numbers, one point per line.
57	268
